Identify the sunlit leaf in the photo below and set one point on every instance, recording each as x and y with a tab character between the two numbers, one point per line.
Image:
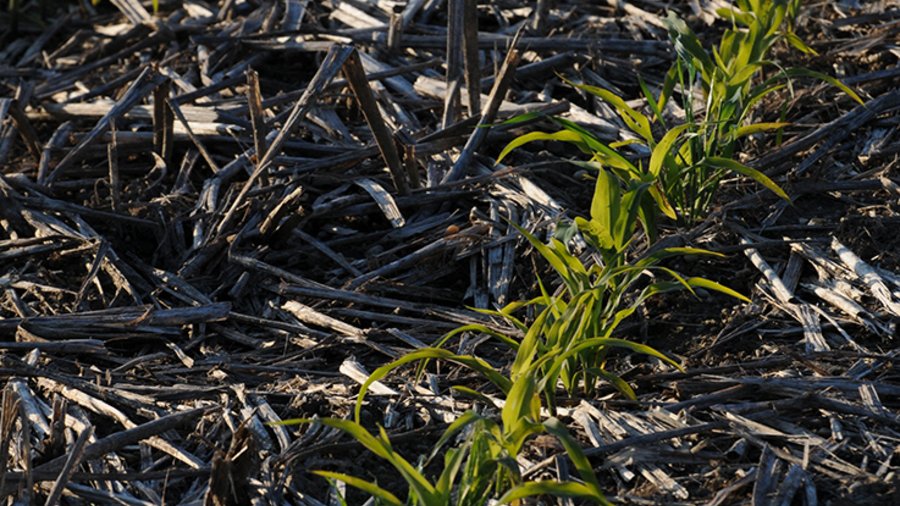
472	362
651	102
366	486
756	128
798	44
744	74
576	455
621	385
801	72
553	488
461	422
626	142
636	121
562	135
663	148
605	204
759	177
686	42
520	118
558	265
712	285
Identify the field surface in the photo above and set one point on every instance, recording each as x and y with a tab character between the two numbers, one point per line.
222	216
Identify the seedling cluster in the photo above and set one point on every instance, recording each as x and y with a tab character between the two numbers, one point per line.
569	339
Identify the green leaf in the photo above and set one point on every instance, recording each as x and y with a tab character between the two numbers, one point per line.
620	384
553	488
744	74
483	329
647	216
801	72
291	421
774	16
656	256
381	446
759	177
519	402
514	436
624	226
576	455
757	128
453	461
360	434
459	424
686	43
798	43
725	52
366	486
519	118
759	92
474	394
472	362
603	152
600	237
596	342
636	121
605	203
651	102
527	351
626	142
734	15
668	86
712	285
562	135
562	266
662	201
662	149
573	264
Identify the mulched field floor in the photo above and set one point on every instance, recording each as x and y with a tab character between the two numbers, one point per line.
229	214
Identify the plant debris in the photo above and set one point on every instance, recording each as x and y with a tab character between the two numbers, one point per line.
223	216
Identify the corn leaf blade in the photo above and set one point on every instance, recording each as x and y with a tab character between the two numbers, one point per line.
366	486
759	177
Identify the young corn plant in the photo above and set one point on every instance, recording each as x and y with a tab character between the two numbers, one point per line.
570	339
718	91
483	466
568	343
701	151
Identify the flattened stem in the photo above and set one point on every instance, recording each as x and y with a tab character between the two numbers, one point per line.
488	113
140	88
257	116
470	49
332	62
163	123
455	30
26	129
76	454
356	79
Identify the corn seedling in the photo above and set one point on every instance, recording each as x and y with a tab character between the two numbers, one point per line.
689	160
692	159
570	339
482	466
576	326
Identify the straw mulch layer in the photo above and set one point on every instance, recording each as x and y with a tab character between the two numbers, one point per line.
228	215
